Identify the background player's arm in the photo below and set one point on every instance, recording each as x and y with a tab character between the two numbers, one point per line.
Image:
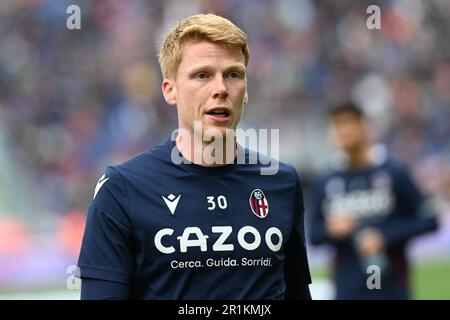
296	268
417	218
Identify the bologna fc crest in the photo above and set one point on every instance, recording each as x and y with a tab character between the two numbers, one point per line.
258	203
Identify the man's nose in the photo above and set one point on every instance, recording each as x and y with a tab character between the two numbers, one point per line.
220	89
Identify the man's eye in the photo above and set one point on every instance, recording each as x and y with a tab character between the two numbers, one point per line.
201	75
234	75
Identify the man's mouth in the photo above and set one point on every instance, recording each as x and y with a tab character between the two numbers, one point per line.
219	114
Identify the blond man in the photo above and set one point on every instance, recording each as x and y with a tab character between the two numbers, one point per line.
178	222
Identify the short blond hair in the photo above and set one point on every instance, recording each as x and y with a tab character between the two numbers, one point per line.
209	27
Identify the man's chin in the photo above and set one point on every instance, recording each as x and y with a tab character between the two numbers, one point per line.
218	132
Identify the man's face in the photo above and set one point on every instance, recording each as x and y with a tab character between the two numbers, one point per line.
210	86
348	131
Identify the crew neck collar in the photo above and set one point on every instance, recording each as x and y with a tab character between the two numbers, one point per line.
204	170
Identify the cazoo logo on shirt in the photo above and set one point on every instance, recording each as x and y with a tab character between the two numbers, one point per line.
194	237
361	203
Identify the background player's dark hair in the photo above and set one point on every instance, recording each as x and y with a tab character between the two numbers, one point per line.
347	107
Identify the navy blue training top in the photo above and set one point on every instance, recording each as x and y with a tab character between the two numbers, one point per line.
183	231
382	196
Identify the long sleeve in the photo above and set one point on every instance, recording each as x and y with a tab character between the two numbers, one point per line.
417	214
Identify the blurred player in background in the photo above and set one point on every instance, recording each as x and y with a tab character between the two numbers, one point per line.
368	207
157	229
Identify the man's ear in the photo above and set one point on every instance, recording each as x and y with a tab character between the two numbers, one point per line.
169	91
245	98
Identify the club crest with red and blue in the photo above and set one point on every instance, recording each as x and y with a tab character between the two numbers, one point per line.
259	204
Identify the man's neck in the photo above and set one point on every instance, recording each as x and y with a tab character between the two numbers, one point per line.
204	153
360	157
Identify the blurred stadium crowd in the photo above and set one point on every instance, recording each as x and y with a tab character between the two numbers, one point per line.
74	101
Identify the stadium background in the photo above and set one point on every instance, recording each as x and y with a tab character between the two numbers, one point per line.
74	101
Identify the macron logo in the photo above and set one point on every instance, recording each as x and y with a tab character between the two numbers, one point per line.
171	202
100	183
